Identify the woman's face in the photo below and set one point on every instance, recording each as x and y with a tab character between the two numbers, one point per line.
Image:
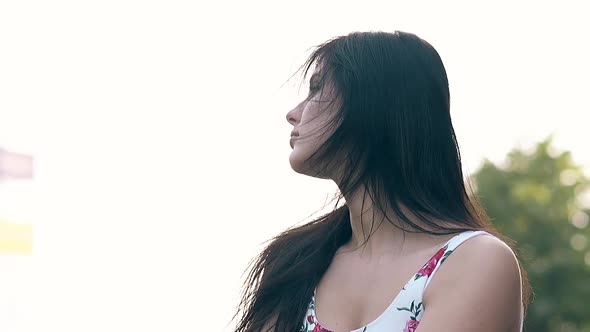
309	119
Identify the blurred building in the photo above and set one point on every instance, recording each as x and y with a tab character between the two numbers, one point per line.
15	165
16	236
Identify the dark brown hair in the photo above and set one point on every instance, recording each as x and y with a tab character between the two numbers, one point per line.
393	122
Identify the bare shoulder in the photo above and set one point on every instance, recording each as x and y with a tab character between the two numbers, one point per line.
481	260
477	288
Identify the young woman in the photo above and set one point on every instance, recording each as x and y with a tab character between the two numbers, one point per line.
410	249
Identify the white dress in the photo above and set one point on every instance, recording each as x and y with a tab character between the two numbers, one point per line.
406	310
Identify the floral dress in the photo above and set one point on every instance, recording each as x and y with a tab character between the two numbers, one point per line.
406	310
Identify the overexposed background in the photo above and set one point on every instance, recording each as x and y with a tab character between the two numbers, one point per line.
161	146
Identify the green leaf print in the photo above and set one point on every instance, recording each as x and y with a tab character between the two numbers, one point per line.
446	255
413	309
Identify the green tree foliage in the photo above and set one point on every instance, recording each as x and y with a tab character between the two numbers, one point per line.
535	199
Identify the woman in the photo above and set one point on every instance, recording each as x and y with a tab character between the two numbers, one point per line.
377	122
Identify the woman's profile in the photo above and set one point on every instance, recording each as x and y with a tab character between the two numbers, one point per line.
410	249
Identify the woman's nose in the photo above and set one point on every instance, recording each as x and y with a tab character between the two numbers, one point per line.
292	116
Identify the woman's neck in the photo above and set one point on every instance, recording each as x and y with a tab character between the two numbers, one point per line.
388	236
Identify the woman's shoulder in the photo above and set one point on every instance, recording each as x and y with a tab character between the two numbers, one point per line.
480	279
484	257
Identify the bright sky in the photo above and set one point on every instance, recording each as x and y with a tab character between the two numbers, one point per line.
161	144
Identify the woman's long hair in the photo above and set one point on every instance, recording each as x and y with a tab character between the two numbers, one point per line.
393	122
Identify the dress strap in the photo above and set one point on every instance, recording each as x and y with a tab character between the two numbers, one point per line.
448	249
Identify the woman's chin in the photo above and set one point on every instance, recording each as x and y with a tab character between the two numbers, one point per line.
296	162
300	166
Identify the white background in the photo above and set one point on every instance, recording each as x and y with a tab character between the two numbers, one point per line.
161	144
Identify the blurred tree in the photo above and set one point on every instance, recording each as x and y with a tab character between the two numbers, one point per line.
535	198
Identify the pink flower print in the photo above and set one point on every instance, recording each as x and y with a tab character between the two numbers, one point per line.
319	328
310	319
411	325
427	269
